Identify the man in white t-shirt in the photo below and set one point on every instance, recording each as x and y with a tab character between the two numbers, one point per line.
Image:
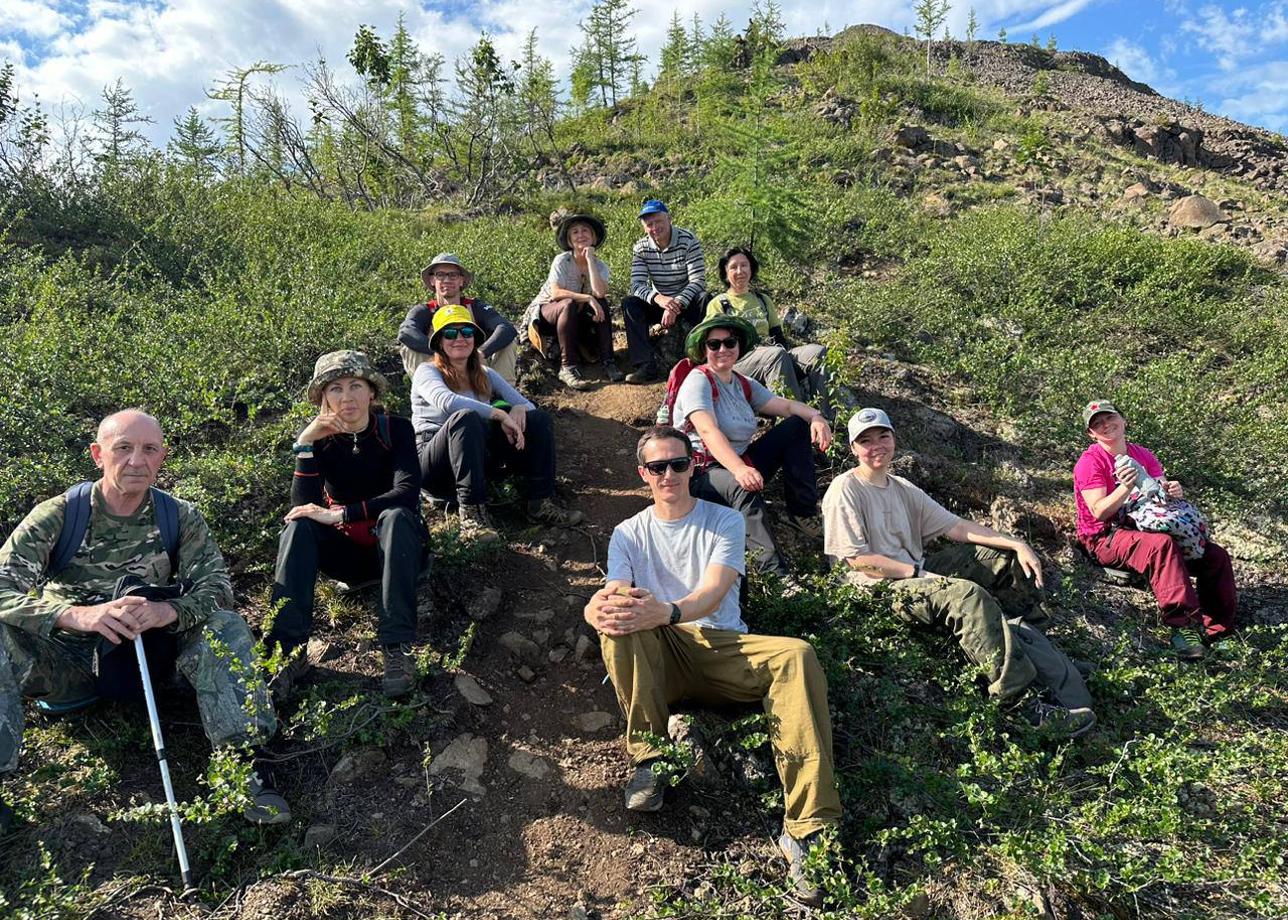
985	589
670	629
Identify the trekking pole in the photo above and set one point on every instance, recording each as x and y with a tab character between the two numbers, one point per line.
159	744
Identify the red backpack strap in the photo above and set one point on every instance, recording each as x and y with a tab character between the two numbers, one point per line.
746	386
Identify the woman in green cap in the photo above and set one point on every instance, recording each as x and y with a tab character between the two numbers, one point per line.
721	406
355	515
572	306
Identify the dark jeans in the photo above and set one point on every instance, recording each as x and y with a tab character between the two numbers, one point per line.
784	447
640	315
572	323
456	460
307	547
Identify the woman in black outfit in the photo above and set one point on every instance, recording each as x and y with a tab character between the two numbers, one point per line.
355	516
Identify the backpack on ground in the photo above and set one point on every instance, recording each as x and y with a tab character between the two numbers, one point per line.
666	412
76	524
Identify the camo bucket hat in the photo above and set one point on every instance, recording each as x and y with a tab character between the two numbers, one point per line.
336	364
695	344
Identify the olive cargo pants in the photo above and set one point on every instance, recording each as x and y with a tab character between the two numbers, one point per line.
987	603
654	668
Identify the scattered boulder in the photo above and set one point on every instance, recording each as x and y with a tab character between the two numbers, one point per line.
1195	212
911	136
585	648
357	764
484	604
319	835
1136	193
466	755
1271	252
594	721
529	765
469	688
526	674
1169	143
521	647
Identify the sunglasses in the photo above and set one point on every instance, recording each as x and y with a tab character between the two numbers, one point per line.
717	344
451	333
676	465
447	276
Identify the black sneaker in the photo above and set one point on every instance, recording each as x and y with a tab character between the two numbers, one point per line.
1187	642
267	805
645	790
400	671
613	372
286	682
645	373
1056	719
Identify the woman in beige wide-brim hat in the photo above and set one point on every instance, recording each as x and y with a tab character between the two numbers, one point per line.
355	516
572	309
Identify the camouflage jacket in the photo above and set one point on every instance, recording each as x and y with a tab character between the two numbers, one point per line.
114	546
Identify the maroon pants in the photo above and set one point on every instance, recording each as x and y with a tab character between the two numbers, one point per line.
1158	558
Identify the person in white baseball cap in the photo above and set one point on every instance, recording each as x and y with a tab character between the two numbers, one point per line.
985	589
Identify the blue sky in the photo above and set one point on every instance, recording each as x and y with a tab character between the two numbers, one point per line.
1232	56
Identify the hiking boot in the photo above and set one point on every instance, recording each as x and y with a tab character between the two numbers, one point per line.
436	505
286	682
476	525
645	790
571	377
795	851
546	511
613	372
268	806
811	525
645	373
400	671
1187	642
1056	719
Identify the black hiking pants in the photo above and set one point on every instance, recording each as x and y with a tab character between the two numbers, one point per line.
639	315
307	548
784	447
457	459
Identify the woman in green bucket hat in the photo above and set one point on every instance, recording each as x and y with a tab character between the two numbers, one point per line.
721	407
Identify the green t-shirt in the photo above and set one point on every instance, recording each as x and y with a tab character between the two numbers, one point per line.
754	307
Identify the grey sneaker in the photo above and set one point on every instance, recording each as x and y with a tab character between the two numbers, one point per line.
1187	642
571	377
267	804
286	682
645	790
546	511
400	671
1057	720
476	525
811	525
645	373
795	851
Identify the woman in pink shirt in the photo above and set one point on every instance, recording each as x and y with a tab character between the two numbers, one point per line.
1100	491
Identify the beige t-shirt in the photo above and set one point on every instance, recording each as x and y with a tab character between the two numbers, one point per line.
895	521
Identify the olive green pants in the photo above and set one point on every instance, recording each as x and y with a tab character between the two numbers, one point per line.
654	668
987	602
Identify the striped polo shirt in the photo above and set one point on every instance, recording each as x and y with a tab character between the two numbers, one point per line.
677	270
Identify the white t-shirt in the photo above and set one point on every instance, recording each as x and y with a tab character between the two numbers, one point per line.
734	415
669	558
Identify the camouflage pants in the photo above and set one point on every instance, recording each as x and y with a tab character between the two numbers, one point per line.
984	598
216	659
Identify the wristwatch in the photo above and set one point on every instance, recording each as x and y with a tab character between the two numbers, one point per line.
675	614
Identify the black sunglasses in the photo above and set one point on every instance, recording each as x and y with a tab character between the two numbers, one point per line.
450	333
717	344
677	465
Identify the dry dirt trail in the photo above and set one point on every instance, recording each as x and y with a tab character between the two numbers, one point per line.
539	769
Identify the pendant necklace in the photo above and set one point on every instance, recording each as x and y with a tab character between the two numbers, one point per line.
355	442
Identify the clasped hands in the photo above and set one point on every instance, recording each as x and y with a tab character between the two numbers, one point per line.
122	618
622	611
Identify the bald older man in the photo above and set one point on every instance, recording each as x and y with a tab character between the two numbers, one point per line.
63	632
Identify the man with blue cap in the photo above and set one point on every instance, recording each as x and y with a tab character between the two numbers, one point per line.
668	281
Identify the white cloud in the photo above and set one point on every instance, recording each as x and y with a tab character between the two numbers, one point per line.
1256	93
37	18
1055	15
1135	61
1238	34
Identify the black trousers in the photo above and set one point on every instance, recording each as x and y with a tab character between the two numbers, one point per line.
307	548
639	315
784	447
456	460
